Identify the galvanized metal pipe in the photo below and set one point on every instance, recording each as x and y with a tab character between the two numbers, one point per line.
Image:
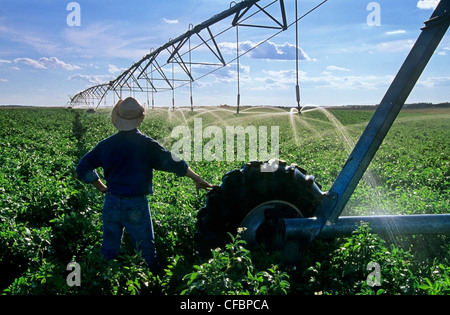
302	228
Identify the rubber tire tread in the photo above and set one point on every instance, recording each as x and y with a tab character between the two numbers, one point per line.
241	191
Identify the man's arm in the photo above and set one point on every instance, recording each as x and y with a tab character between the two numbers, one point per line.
100	186
200	183
86	168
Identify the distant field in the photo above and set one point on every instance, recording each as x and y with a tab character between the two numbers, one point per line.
48	218
409	174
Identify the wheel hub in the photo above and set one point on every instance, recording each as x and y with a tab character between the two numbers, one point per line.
261	222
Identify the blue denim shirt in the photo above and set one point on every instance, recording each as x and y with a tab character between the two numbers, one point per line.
128	159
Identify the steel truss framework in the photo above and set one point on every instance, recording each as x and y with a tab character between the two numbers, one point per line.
182	60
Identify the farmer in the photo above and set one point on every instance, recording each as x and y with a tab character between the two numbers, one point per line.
128	159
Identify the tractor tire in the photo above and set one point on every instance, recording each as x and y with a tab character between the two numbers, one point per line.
255	198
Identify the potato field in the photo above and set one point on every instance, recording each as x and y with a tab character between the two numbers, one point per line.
50	219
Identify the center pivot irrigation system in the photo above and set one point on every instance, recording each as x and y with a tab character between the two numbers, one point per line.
285	209
198	53
285	206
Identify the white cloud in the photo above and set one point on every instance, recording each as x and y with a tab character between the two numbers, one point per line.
114	69
44	63
435	81
395	32
4	80
278	80
271	51
227	74
92	79
363	82
331	68
267	50
444	51
30	62
427	4
56	63
285	79
4	61
395	46
167	21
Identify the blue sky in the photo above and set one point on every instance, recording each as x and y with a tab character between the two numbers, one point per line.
345	60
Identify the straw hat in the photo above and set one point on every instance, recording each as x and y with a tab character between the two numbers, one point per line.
127	114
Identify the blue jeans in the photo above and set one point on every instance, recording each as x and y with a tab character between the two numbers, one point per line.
134	215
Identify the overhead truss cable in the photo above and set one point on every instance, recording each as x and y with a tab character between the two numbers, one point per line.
153	67
297	86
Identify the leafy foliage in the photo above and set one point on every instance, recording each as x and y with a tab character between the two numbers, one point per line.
346	269
231	271
48	218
